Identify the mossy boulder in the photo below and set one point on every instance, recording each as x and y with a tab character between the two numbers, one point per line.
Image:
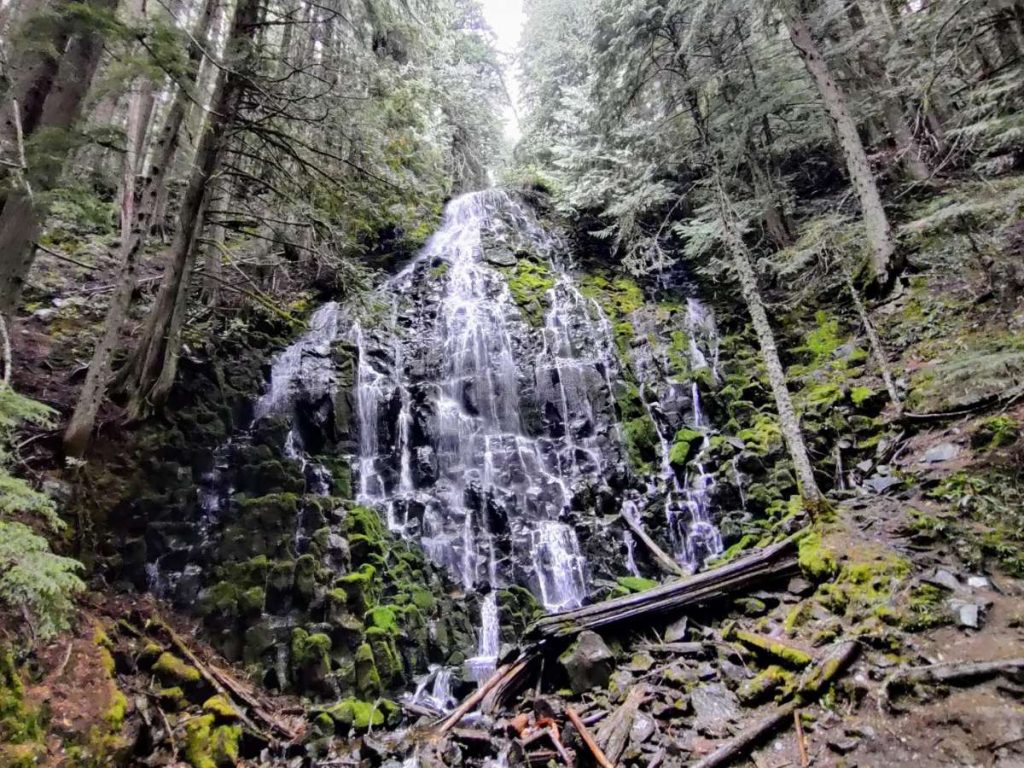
173	671
361	715
208	745
685	446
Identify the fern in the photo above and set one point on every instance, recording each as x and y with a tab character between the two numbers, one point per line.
33	580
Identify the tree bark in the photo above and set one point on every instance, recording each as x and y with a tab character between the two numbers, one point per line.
150	373
877	350
879	234
789	423
21	217
134	219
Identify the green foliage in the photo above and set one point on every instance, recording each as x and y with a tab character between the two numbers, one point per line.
32	578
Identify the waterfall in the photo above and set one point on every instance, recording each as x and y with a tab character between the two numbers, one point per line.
481	424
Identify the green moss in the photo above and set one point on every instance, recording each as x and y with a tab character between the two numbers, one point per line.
822	342
797	617
382	617
114	716
815	559
172	698
440	270
773	681
221	708
309	648
860	395
636	583
778	651
211	746
367	677
763	437
21	728
357	714
927	608
685	445
996	432
529	282
641	442
172	669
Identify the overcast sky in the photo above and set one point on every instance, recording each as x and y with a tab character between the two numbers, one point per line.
506	19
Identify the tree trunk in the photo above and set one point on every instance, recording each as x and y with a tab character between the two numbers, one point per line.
789	423
909	150
212	257
883	252
21	217
31	72
877	350
151	371
134	220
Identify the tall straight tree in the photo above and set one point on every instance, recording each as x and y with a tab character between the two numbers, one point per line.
150	372
52	101
136	217
884	264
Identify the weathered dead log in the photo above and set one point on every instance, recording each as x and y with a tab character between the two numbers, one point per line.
228	687
778	650
678	649
585	735
948	673
988	401
812	685
613	733
775	561
662	558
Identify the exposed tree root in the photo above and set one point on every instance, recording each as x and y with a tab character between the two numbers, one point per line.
952	673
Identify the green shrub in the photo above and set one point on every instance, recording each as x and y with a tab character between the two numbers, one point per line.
33	580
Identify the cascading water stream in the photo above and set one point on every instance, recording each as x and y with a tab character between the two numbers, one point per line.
476	430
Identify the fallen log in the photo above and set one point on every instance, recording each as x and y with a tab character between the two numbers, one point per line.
504	673
777	560
988	401
951	673
613	733
812	685
228	687
662	558
599	756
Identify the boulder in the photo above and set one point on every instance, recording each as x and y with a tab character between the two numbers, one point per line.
588	662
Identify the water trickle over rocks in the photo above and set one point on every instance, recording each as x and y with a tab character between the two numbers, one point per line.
423	460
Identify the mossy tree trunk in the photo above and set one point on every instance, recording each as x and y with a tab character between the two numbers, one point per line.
876	221
149	374
53	93
789	423
137	211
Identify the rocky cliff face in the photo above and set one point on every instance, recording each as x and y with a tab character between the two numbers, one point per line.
474	428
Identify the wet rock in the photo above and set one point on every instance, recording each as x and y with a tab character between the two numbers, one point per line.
940	453
643	728
843	745
968	615
800	587
588	662
676	631
715	707
943	578
882	483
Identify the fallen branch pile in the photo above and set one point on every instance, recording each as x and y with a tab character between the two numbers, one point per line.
554	632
